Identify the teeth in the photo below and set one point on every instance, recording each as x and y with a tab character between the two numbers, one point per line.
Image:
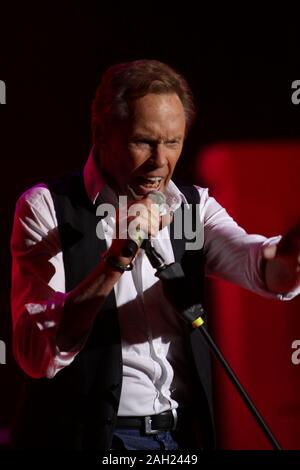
150	185
149	182
153	179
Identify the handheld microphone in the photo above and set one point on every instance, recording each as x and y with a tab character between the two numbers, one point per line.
137	239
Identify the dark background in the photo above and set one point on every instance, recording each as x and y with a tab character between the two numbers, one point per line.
240	68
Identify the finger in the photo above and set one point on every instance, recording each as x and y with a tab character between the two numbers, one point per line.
143	224
166	219
153	225
269	252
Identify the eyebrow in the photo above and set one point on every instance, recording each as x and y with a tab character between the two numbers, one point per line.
152	139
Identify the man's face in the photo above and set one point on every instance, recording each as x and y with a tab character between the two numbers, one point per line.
140	156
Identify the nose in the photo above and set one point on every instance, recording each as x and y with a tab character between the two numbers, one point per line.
159	155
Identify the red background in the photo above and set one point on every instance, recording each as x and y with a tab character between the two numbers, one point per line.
258	183
241	74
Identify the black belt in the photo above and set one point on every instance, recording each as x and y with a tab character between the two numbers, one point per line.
165	421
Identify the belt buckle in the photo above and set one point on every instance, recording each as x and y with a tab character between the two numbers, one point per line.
148	427
175	418
148	423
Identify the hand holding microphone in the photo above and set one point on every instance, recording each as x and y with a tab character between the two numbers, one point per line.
136	223
144	221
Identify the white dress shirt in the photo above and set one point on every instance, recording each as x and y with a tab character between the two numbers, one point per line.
155	367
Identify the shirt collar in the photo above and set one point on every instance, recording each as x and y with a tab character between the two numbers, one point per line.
97	188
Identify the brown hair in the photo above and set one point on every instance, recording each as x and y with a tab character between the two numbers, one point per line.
122	83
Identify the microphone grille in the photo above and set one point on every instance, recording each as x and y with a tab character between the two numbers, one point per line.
157	197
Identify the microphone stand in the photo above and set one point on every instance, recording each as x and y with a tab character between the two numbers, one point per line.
174	283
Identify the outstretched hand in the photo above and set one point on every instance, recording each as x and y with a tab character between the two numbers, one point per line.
282	267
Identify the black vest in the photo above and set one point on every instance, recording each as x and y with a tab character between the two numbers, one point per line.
77	409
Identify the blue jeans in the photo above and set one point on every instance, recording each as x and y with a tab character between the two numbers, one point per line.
133	439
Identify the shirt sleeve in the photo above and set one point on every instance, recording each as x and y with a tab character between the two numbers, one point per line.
38	285
231	253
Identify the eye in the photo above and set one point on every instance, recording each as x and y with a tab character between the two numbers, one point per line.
141	143
173	143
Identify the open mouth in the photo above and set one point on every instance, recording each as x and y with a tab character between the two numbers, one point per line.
142	185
